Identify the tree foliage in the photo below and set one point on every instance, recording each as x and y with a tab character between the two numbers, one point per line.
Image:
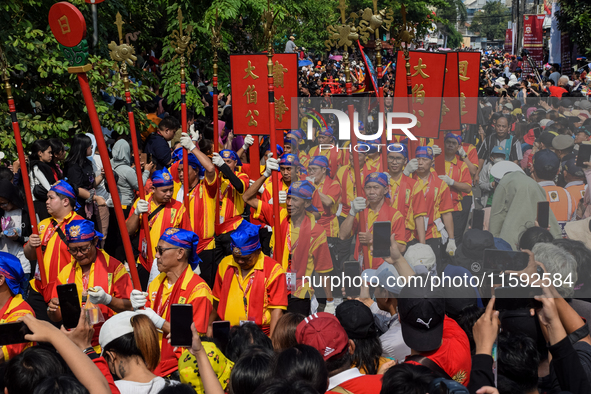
491	21
574	18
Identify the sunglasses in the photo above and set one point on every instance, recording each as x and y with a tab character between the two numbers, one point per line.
160	250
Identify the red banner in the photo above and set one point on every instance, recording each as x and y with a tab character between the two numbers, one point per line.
427	76
250	103
285	81
533	40
469	74
509	41
565	54
450	107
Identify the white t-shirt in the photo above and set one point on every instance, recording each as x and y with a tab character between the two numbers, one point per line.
152	387
14	219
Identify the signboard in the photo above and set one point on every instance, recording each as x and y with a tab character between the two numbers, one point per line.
509	41
533	40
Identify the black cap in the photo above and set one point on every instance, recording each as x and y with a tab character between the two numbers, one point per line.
357	320
571	167
546	163
470	253
422	312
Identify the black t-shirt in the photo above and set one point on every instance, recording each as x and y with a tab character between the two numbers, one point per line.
157	146
80	176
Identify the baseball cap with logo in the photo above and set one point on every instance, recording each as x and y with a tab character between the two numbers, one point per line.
421	311
324	333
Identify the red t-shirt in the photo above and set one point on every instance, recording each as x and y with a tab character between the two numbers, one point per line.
366	384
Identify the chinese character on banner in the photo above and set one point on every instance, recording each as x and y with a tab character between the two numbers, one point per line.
250	108
427	71
469	74
450	107
285	81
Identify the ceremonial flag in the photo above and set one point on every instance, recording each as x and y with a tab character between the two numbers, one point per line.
285	82
250	107
450	106
469	74
509	40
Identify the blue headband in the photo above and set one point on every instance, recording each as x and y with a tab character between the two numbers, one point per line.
230	154
327	132
454	136
64	188
81	230
177	154
398	148
12	270
245	239
299	133
320	161
195	164
183	239
162	178
424	151
380	178
361	126
301	189
279	150
289	159
367	148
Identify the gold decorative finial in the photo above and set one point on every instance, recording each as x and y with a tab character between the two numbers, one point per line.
119	22
180	41
343	35
216	39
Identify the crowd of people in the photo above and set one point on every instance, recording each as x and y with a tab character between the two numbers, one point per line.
288	335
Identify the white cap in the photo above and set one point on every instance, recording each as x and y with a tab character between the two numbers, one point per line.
499	170
420	254
116	327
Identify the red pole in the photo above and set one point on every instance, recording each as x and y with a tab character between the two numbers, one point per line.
104	153
24	172
186	184
216	133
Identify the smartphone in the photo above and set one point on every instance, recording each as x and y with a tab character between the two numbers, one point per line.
221	333
478	219
11	333
351	269
584	154
381	239
69	304
543	216
181	318
501	260
511	298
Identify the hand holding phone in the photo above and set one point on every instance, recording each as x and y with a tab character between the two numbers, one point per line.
543	217
69	304
181	318
381	239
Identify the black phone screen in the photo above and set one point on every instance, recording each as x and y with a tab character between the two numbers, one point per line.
478	219
512	298
543	216
502	260
11	333
381	239
69	304
583	155
221	333
351	269
181	318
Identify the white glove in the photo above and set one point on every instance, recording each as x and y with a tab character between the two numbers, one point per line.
261	189
451	247
248	141
217	160
357	205
98	296
194	133
138	299
462	152
271	165
282	196
446	179
330	308
436	150
156	319
141	207
187	142
411	167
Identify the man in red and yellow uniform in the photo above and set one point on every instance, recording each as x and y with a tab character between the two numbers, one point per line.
373	161
99	278
176	256
458	178
469	155
439	204
305	248
328	148
202	209
545	167
232	185
61	205
12	305
162	212
289	167
291	144
376	191
575	186
405	195
249	286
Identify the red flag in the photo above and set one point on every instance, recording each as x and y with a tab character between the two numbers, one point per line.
250	106
285	81
450	107
469	74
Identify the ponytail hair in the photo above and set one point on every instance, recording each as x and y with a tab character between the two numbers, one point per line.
142	342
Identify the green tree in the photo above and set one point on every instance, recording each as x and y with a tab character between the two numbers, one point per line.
491	21
455	14
574	18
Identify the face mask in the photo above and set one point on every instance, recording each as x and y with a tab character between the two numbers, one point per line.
498	159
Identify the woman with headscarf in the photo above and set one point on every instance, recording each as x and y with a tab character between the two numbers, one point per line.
16	226
13	284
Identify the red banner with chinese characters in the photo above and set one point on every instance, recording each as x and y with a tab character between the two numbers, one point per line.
533	40
565	53
450	106
509	41
427	76
250	103
469	74
285	81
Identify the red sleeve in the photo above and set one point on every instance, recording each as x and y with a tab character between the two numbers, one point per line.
334	191
202	308
174	171
217	285
186	221
211	188
473	155
399	229
445	203
122	287
277	290
317	202
265	213
104	368
244	179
